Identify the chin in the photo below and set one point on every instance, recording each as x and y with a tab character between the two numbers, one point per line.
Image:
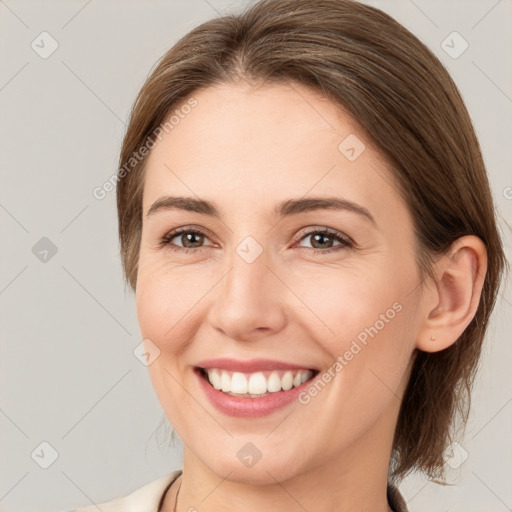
247	465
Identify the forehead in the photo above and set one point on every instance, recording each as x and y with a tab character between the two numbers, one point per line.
240	118
252	147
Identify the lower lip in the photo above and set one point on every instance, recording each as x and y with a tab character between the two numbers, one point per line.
249	407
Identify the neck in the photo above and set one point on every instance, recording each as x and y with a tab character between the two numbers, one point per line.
353	480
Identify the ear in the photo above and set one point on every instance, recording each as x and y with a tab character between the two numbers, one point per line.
451	301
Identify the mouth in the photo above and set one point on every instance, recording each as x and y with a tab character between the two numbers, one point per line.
252	388
257	384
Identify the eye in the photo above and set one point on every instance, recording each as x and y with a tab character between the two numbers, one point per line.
187	239
323	240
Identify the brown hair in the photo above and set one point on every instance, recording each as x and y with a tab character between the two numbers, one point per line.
404	99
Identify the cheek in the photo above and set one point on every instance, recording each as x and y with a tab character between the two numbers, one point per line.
165	300
350	303
373	322
165	297
366	322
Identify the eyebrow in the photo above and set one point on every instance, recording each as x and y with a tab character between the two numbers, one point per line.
286	208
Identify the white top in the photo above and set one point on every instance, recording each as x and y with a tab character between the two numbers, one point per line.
144	499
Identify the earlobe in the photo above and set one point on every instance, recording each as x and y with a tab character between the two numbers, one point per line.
452	301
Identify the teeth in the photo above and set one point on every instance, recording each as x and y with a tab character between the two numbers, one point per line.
258	383
215	379
274	382
287	381
239	383
225	380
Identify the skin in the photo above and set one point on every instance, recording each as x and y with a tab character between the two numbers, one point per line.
246	149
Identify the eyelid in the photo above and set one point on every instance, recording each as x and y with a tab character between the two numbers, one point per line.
173	233
311	230
189	227
345	240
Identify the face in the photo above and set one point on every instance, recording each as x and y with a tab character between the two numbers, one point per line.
287	271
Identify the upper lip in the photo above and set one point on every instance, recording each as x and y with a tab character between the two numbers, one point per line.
251	365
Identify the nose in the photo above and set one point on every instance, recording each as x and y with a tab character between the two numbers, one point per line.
249	302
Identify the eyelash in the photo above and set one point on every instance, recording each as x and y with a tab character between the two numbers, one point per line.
345	242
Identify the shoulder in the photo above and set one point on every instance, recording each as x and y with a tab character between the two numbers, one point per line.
144	499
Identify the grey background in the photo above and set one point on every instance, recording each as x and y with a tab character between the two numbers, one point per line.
68	375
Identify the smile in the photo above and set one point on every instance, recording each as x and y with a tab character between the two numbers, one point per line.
252	388
256	384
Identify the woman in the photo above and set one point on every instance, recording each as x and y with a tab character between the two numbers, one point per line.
306	221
